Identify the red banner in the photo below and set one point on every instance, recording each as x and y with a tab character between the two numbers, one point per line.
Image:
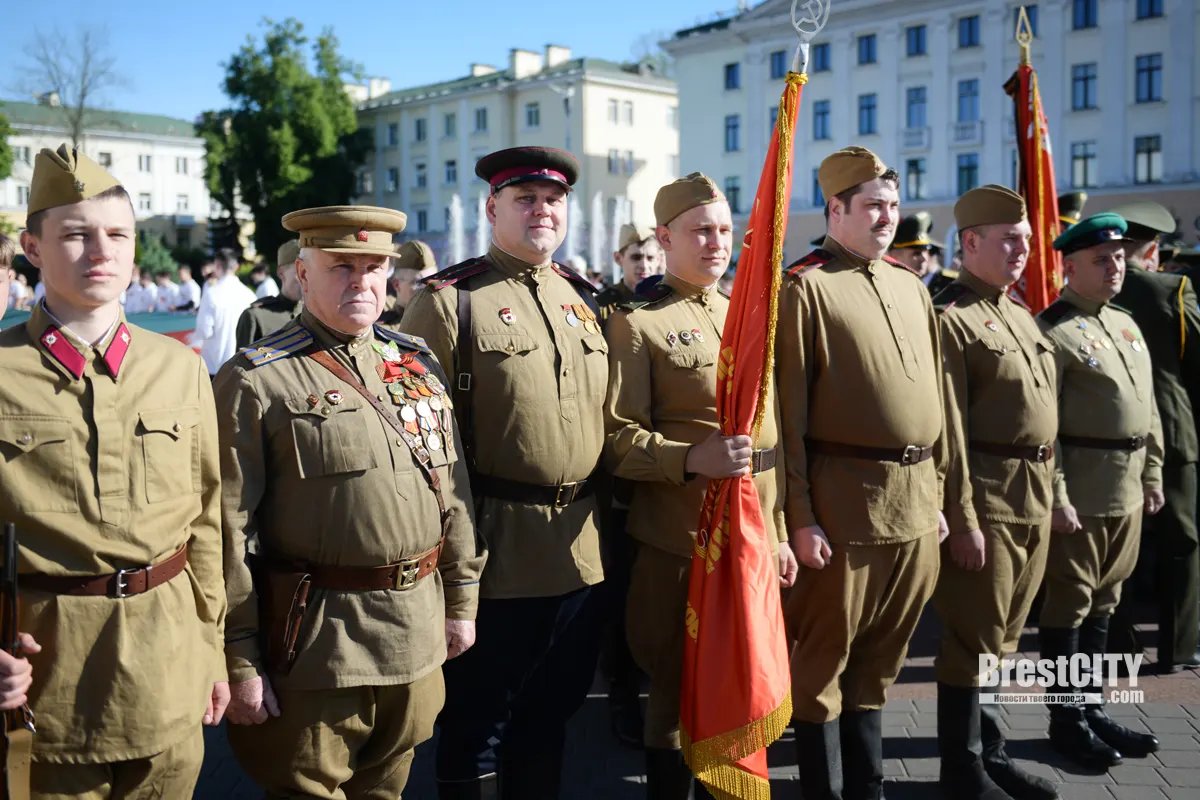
736	696
1042	282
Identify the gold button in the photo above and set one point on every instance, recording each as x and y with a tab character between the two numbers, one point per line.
379	397
325	411
902	338
26	438
510	348
399	443
566	372
177	427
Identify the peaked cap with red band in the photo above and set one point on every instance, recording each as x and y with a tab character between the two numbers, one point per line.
521	164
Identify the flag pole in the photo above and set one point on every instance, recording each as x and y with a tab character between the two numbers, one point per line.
1024	35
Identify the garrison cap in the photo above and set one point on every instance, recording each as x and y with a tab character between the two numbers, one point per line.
1070	207
64	177
990	204
633	233
913	231
366	230
1089	232
683	195
1146	218
846	169
521	164
288	252
415	254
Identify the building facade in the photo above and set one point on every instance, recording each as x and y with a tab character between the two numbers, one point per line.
159	160
620	120
920	82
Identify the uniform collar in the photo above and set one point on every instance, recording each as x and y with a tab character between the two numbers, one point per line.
684	288
69	353
845	254
1082	303
512	266
332	339
980	286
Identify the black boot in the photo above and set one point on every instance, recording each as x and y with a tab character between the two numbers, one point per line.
963	776
1016	782
819	757
479	789
1070	734
531	776
667	776
862	754
1093	638
625	714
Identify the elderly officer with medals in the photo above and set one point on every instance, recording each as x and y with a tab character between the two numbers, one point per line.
521	339
351	560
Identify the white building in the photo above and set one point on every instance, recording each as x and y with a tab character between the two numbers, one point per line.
619	120
920	82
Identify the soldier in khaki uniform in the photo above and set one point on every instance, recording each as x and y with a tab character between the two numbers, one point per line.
1109	470
860	389
521	339
352	565
108	468
661	423
1002	413
269	314
639	257
413	263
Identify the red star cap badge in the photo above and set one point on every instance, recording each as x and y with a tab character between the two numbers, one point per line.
362	235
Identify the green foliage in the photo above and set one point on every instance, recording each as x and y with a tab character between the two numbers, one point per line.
6	153
193	257
290	138
156	257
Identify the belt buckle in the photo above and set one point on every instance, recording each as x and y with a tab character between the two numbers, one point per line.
566	494
406	574
121	584
1044	452
911	454
1137	442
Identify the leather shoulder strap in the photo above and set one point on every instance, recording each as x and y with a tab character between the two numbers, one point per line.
452	275
1056	312
657	292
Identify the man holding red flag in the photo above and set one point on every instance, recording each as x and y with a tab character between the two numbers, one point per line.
662	434
860	393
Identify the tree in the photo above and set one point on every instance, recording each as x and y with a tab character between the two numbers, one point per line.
77	70
6	153
290	138
155	256
646	49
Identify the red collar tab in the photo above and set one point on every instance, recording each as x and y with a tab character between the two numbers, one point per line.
114	356
56	344
505	176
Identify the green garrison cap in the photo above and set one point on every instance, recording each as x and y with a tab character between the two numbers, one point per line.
1089	232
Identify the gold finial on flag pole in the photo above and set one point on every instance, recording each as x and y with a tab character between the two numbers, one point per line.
816	14
1024	35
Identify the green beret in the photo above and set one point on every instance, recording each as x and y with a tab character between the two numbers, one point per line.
1089	232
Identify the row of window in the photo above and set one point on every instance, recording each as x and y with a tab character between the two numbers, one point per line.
145	200
24	154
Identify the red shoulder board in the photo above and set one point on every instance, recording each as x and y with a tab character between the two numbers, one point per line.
452	275
814	260
900	264
574	277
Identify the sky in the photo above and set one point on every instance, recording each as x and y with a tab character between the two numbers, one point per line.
172	54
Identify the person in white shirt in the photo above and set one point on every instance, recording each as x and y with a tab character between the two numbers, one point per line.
168	292
264	284
188	292
18	291
39	291
224	300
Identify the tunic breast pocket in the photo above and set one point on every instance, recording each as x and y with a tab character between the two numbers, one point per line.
170	452
331	440
37	465
595	364
504	365
695	366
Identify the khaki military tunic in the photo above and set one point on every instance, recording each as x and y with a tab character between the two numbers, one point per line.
1106	391
264	317
859	363
538	393
330	483
613	296
1001	390
109	462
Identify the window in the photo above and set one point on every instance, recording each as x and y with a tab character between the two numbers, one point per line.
104	158
733	76
1149	78
1083	86
968	172
480	120
1147	9
393	179
1083	164
144	201
419	132
533	115
866	49
22	195
779	64
820	57
181	166
866	114
820	120
772	118
363	183
733	193
450	126
181	203
144	163
733	125
614	111
451	172
1147	159
24	154
817	196
968	31
968	100
914	105
1031	11
422	221
1084	14
422	177
672	117
914	179
614	162
628	162
914	39
627	108
393	134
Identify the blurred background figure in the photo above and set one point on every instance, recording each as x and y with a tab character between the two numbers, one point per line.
264	285
414	262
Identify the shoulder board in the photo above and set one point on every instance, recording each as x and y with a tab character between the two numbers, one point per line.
1119	308
946	298
654	294
900	264
1055	312
814	260
727	295
291	339
1019	301
452	275
608	297
260	302
405	339
573	276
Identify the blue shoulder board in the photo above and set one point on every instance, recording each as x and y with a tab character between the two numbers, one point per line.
405	339
292	339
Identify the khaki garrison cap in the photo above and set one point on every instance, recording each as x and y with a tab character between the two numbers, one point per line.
990	204
415	255
65	177
289	251
366	230
633	233
683	195
846	169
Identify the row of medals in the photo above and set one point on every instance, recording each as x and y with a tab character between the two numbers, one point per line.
1092	344
425	408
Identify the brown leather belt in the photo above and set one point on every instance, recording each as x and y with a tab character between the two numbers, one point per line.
907	456
120	584
1129	444
400	576
559	496
763	460
1037	453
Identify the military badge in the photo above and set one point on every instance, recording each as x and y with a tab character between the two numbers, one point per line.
333	397
697	335
362	235
389	351
433	441
313	401
991	326
1093	362
572	318
672	339
507	316
685	337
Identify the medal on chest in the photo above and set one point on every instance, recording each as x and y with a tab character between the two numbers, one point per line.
1134	338
426	410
